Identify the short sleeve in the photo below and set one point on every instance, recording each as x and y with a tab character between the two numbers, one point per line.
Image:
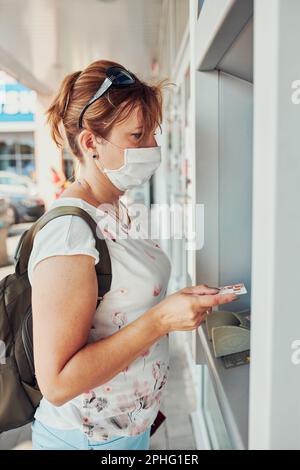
65	235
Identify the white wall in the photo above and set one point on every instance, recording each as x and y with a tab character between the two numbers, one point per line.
275	379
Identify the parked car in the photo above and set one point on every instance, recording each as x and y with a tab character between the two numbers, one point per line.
25	204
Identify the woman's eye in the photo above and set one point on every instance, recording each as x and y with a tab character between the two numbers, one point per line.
138	135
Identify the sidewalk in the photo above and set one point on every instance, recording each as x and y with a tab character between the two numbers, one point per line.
179	400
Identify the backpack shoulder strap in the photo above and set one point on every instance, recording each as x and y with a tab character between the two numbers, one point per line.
103	267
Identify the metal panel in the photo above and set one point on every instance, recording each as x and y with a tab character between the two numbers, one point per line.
207	168
238	60
219	23
235	184
274	376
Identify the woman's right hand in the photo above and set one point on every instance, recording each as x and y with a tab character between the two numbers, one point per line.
187	308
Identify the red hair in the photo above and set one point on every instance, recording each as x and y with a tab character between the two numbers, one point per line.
114	107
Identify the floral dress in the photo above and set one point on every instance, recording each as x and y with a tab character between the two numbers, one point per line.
129	402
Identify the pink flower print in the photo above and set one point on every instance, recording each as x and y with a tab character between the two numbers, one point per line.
123	290
101	403
156	370
125	370
120	422
159	374
88	399
144	397
153	243
157	290
108	234
163	382
158	397
87	426
149	254
164	379
141	389
139	428
126	405
147	401
144	355
119	319
100	432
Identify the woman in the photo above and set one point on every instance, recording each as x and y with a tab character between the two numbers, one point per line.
102	371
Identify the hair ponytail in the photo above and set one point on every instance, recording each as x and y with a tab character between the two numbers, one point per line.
58	108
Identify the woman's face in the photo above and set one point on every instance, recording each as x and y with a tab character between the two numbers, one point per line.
123	135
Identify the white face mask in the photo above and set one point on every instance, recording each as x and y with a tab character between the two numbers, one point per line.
139	165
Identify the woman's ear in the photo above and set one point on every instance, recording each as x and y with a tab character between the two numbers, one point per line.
83	142
98	140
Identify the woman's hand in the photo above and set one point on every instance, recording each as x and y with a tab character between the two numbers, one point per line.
187	308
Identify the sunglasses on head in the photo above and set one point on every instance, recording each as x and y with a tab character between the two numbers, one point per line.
116	76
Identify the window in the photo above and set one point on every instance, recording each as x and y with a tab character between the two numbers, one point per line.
17	153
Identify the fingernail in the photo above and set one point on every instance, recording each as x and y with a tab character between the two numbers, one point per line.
236	298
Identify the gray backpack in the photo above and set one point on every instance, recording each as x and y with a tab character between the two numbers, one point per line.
19	391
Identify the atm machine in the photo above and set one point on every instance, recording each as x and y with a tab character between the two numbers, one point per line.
224	136
246	162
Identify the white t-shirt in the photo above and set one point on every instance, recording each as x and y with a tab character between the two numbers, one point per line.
128	403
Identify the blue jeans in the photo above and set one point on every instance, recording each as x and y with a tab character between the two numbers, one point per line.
46	438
